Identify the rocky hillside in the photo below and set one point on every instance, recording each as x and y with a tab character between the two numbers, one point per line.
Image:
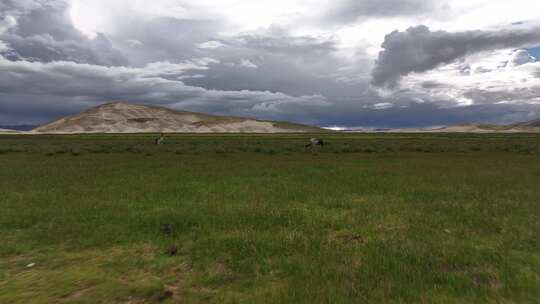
120	117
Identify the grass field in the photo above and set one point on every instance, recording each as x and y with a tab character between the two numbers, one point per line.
370	218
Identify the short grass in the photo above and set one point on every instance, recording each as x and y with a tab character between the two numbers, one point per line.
370	218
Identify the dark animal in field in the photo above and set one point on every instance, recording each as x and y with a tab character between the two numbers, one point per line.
160	140
315	142
172	250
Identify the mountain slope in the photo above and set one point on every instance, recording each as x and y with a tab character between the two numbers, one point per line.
120	117
528	126
9	131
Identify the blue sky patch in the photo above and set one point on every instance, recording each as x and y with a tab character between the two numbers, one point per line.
535	52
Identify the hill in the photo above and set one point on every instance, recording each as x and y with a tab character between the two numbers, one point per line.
528	126
121	117
8	131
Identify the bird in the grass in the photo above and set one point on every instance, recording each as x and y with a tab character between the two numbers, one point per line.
160	140
172	250
315	142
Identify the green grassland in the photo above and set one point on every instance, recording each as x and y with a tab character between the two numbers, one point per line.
369	218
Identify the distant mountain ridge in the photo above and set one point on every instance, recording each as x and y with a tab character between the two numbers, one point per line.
532	126
9	131
122	117
18	127
528	126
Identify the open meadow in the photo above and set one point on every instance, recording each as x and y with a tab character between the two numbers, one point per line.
230	218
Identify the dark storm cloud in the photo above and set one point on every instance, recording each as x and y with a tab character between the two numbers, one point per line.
43	32
55	89
345	11
69	80
26	109
159	39
39	17
56	64
427	114
431	85
418	49
278	40
45	48
280	62
414	114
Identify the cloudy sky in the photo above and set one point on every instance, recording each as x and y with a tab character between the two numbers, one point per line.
378	63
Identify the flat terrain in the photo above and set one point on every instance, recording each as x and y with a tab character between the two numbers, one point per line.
370	218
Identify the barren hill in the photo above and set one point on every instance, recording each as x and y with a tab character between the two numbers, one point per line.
121	117
8	131
528	126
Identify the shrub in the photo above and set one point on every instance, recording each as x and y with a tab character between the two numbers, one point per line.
76	151
369	150
269	151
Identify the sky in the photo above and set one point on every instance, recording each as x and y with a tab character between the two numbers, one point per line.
332	63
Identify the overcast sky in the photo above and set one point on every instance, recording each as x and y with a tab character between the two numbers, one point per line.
378	63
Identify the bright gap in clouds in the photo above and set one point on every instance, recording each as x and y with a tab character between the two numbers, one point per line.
86	17
535	52
91	17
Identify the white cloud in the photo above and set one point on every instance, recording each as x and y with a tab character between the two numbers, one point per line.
243	63
3	47
246	63
190	76
382	105
6	23
493	78
134	42
101	16
210	45
165	68
520	57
